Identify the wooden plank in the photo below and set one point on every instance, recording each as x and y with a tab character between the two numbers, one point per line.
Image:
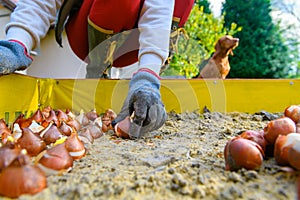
20	93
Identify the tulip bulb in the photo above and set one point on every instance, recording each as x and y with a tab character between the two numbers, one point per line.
61	115
31	142
85	136
106	123
98	122
281	150
51	133
37	116
51	118
293	112
298	127
5	137
55	160
70	114
242	153
3	127
21	177
74	123
294	154
46	111
75	146
255	136
65	129
2	124
111	114
95	131
122	128
82	118
107	117
22	121
92	115
8	153
283	126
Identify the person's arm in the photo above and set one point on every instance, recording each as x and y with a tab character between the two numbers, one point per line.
31	20
155	26
143	99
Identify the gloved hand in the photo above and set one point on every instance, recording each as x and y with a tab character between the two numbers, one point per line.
13	56
144	100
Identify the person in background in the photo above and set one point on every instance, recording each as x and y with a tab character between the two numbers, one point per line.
104	33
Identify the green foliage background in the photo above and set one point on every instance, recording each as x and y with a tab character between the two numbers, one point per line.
202	30
262	52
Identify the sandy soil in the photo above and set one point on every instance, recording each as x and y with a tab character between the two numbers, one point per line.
183	161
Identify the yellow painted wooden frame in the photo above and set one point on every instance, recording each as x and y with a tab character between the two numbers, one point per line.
24	94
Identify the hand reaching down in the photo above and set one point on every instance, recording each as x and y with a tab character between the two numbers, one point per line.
144	104
13	56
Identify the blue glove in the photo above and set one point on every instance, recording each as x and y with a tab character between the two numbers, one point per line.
13	56
145	101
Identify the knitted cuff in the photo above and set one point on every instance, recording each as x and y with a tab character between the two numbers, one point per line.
25	49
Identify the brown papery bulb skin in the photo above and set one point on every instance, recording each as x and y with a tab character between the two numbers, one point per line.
122	128
85	136
255	136
51	134
104	128
22	121
3	124
31	142
37	116
107	117
51	118
82	118
283	126
57	158
298	127
294	155
242	153
282	147
7	155
22	178
95	131
61	115
280	152
46	111
293	112
4	130
111	114
74	123
92	115
65	129
75	146
106	121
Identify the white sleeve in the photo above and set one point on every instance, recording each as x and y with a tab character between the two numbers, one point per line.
155	26
31	20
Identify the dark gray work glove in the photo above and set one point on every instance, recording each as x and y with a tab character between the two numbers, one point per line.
13	56
144	100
